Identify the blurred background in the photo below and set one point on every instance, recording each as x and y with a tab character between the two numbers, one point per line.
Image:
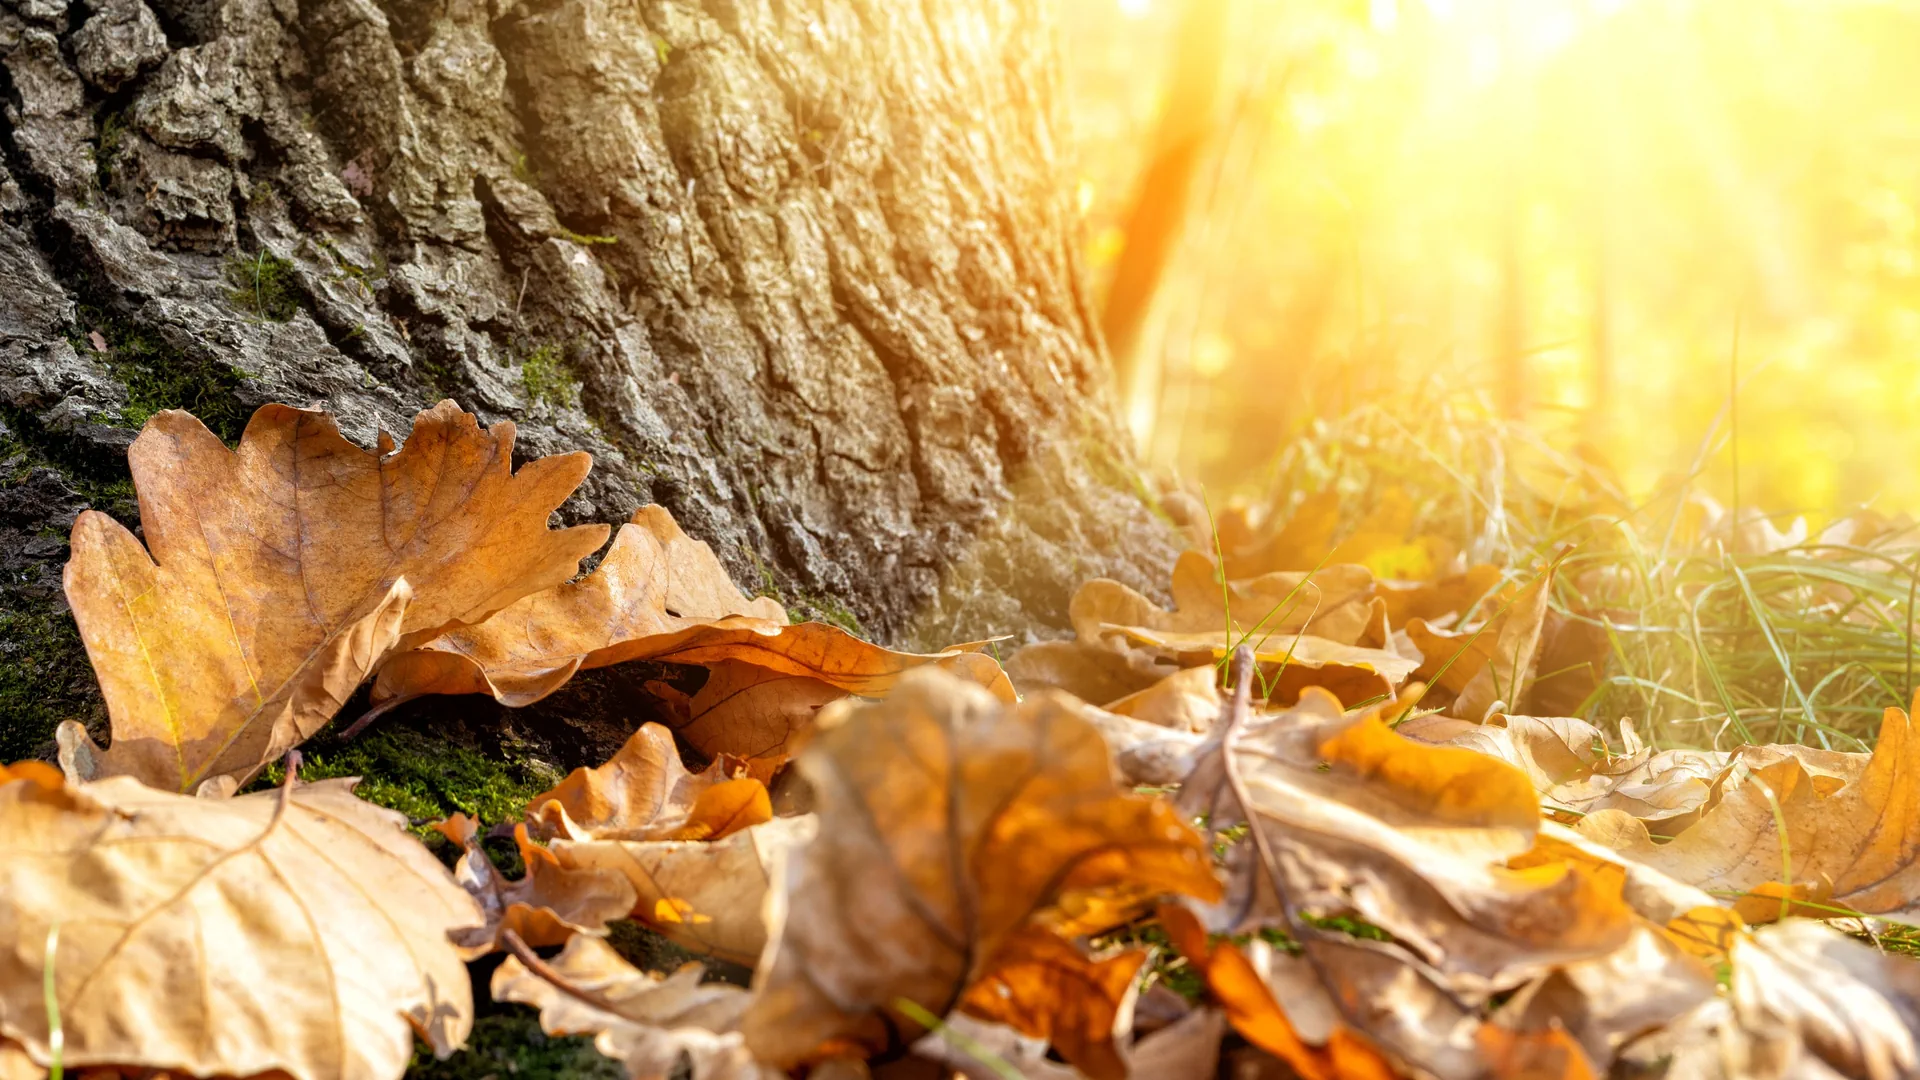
1596	217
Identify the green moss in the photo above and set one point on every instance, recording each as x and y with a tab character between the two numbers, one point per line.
423	778
112	139
263	284
158	376
586	239
44	678
827	609
509	1043
544	376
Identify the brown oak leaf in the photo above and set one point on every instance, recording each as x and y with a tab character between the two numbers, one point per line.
299	930
282	572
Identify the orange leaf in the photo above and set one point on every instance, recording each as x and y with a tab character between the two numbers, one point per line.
1250	1008
281	573
1043	986
726	808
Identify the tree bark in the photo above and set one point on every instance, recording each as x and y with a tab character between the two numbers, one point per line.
800	270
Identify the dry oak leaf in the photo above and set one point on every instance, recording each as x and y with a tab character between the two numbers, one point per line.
947	820
649	1023
1327	1050
299	930
1453	595
1570	765
1290	662
1092	672
1410	837
754	714
1852	827
644	792
1043	986
1490	663
284	571
546	906
657	595
1187	700
1806	1003
704	896
1335	602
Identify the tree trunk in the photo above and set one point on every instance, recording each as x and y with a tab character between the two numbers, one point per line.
800	270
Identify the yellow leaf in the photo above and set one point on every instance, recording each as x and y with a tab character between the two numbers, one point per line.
283	572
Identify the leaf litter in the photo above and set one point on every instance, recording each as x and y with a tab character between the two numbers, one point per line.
1310	793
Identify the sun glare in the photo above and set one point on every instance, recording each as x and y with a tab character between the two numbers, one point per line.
1566	206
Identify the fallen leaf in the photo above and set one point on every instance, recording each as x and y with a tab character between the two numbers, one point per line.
1852	827
1569	764
1429	601
1805	1001
1569	663
1360	821
1490	663
654	1026
752	713
947	820
546	906
1237	985
1335	602
1292	662
1092	672
1188	700
705	896
283	572
1043	986
301	931
644	792
1145	753
657	595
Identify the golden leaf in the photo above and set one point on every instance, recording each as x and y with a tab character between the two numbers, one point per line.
1489	663
713	890
300	930
283	572
644	792
1852	828
547	905
659	595
946	820
1043	986
653	1025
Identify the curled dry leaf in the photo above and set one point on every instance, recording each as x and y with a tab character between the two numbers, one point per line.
660	595
547	905
752	714
1246	986
1145	753
644	792
704	896
281	573
1188	700
649	1023
1044	987
1803	1002
1491	663
300	930
1092	672
1852	827
946	821
1335	602
1572	768
1360	821
1290	662
1431	601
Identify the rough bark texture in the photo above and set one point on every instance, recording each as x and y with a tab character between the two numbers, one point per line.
800	270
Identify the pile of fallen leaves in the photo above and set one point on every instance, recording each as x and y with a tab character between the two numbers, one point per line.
1360	860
